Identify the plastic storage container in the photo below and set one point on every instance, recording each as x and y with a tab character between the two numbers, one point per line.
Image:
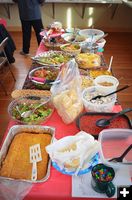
105	106
101	43
113	144
106	83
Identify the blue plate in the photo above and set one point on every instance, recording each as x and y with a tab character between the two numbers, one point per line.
94	161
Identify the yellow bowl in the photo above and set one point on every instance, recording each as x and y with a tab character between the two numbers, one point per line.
70	48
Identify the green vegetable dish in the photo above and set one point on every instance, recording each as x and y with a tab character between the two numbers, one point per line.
53	58
39	115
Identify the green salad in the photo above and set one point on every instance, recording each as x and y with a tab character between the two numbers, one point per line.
40	114
55	59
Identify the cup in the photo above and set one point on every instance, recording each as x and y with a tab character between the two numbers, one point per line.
102	177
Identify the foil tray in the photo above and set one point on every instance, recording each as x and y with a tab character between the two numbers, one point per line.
14	130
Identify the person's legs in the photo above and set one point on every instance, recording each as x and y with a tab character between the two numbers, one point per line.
26	34
38	26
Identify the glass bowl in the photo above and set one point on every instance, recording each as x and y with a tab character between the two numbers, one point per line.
42	77
30	109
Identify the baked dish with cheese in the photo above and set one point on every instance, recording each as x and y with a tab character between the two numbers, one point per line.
17	164
88	60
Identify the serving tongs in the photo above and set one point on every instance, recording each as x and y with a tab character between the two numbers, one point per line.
44	80
120	158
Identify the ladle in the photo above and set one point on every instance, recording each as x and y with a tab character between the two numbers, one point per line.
99	96
105	122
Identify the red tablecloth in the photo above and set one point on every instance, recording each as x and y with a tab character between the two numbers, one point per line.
58	186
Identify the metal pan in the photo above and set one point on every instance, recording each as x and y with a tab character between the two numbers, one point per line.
14	130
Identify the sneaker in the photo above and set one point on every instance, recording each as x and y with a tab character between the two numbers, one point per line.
24	54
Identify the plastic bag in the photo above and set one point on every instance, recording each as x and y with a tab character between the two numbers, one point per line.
73	152
66	95
13	190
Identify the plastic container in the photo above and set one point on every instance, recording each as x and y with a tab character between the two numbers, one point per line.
113	144
106	105
101	43
106	83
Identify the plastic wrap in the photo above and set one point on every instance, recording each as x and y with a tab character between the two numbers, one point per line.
66	94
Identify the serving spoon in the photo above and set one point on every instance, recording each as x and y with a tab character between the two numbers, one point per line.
29	112
99	96
105	122
120	158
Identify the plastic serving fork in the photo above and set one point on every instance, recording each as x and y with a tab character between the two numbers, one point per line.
35	156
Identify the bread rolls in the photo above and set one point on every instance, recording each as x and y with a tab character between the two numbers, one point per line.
28	92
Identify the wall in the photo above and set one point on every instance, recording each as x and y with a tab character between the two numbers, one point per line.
99	15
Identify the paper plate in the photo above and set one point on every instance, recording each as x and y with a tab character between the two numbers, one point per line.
94	161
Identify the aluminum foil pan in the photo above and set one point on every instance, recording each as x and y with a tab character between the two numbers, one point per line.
14	130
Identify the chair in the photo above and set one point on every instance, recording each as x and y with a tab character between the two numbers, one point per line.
4	64
3	21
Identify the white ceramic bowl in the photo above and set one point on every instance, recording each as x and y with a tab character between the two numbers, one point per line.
106	79
105	106
91	34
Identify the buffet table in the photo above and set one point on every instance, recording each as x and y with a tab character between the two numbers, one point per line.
58	186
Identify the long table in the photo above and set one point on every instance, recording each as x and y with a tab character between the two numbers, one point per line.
58	186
